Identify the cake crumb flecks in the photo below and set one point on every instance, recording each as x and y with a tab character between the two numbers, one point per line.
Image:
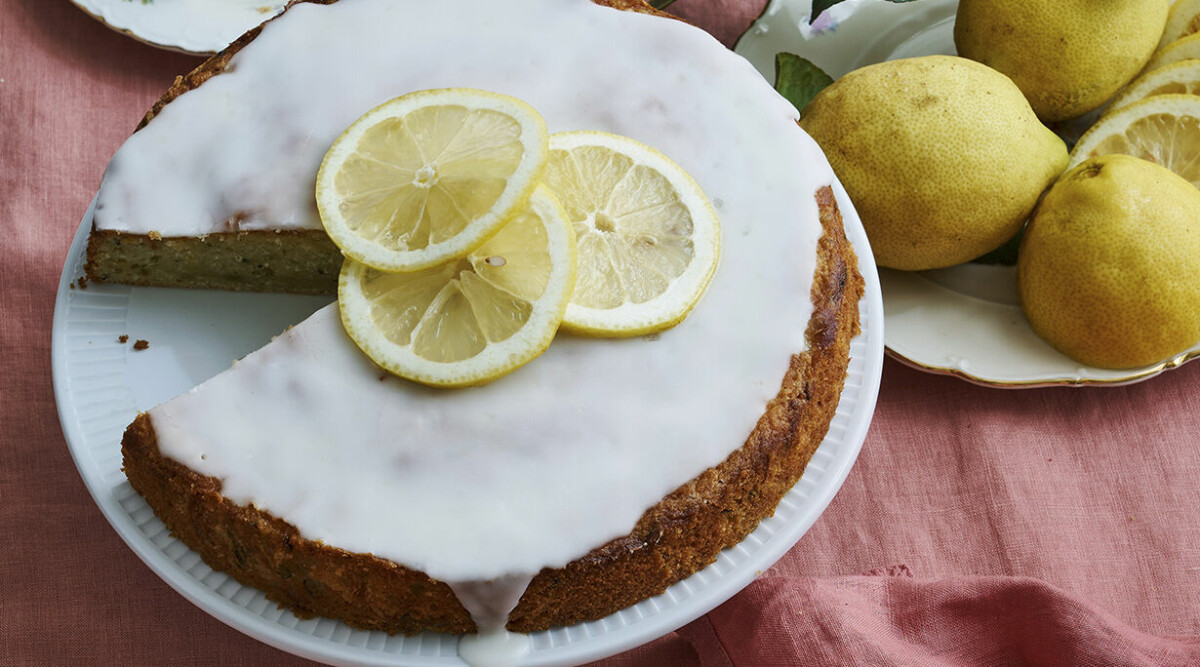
123	338
141	344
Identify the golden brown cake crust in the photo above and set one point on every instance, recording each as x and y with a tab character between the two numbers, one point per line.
675	538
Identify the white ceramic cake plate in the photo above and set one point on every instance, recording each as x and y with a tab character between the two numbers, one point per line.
963	321
191	26
100	385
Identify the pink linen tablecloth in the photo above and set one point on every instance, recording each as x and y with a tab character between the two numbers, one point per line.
979	526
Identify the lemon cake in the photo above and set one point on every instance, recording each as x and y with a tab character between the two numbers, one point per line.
588	480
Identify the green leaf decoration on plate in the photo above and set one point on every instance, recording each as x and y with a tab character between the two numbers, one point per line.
819	6
798	80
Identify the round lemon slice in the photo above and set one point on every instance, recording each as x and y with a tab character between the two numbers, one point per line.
1164	129
471	320
648	238
1178	78
429	176
1182	20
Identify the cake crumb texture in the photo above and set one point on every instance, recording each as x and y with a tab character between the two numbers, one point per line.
293	261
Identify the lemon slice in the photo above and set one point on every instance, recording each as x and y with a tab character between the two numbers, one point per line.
648	238
1181	78
471	320
1184	48
1164	129
429	176
1182	20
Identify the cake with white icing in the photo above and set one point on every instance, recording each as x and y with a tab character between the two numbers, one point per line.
586	481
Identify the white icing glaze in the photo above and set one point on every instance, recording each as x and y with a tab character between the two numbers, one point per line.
490	602
538	468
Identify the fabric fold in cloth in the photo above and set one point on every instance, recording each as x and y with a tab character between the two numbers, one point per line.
892	618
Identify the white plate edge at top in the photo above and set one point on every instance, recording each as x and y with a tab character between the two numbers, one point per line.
95	405
942	322
197	27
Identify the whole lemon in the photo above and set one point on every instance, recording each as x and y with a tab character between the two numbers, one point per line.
1109	268
1067	56
942	157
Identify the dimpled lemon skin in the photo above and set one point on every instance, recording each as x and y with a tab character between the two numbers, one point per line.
1067	56
942	157
1109	268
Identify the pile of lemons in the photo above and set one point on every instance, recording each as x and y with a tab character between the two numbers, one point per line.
947	158
471	235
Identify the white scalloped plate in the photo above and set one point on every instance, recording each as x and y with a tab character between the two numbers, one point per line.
963	321
200	27
100	384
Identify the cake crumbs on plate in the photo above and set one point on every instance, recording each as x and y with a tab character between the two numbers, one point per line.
141	344
123	338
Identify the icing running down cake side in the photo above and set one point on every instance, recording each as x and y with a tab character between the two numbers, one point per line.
589	479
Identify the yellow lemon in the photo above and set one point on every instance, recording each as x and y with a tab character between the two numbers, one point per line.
1067	56
1109	267
942	157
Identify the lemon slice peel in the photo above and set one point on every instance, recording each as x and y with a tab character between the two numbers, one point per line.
1182	20
1164	129
1184	48
1181	78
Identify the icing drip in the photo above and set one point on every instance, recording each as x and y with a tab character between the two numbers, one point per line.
489	603
494	648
